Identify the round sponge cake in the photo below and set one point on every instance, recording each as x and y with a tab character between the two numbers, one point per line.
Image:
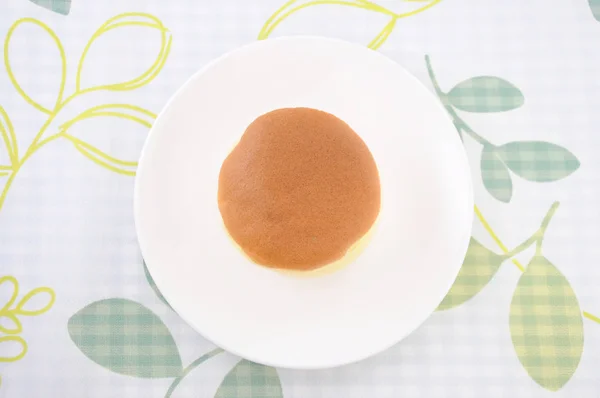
299	190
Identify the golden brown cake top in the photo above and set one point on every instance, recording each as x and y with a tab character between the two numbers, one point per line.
299	189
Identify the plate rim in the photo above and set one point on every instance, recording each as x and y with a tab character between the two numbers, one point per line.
154	131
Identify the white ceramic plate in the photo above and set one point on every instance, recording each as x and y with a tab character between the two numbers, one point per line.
265	316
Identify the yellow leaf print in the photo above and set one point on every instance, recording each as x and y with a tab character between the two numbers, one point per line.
293	6
38	301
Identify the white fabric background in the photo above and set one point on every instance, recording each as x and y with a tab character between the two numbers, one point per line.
68	223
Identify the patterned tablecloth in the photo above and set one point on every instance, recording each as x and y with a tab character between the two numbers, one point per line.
81	83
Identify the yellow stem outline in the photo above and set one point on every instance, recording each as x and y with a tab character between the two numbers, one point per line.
9	137
279	16
15	284
495	238
591	317
383	35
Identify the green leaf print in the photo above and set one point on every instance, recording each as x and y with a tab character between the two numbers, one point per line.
496	178
59	6
250	380
486	94
127	338
538	161
546	325
595	7
153	285
480	265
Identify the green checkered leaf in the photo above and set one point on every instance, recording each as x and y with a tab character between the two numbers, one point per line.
494	173
485	94
480	265
126	338
538	160
250	380
546	325
59	6
595	7
153	285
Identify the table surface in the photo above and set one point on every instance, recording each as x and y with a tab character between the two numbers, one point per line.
81	84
